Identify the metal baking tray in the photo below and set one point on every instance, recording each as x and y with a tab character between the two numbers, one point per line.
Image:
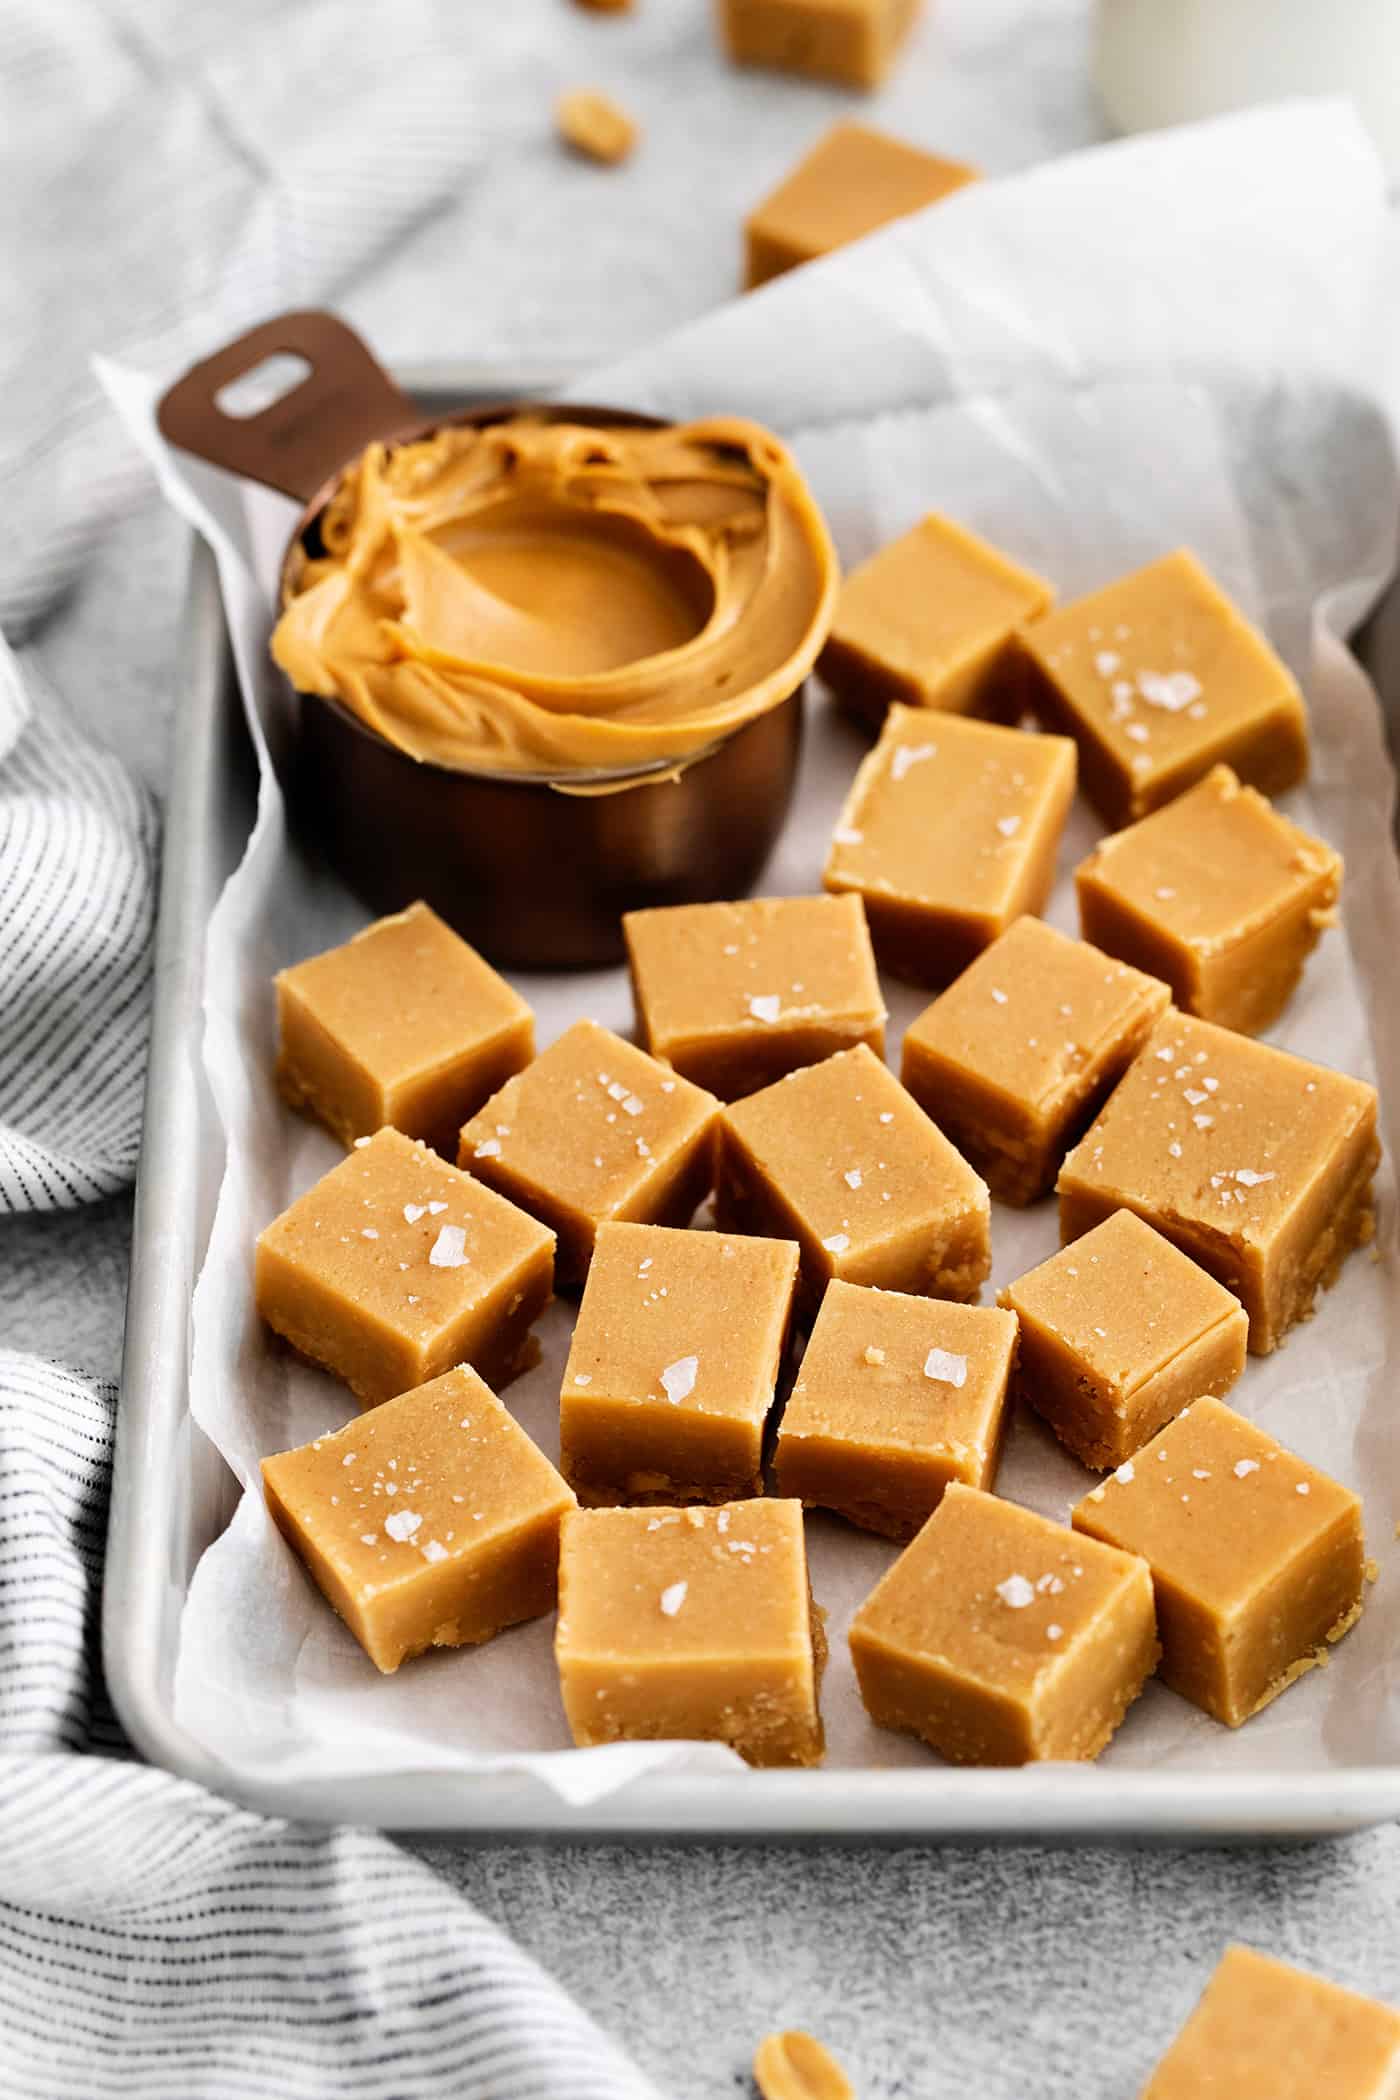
172	1494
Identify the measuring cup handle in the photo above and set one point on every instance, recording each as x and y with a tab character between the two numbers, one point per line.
345	401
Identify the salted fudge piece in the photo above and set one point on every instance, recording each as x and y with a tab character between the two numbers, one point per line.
950	833
1015	1058
735	995
896	1397
1001	1638
1120	1332
840	1159
1256	1163
1217	894
1159	677
595	125
395	1267
404	1024
595	1129
853	180
691	1624
930	621
674	1365
1258	1559
853	42
430	1522
1267	2031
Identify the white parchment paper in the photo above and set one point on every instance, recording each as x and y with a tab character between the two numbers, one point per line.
1147	345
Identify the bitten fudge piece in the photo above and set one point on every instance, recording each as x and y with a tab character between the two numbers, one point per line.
1217	894
950	832
396	1266
595	1129
691	1624
838	1158
1001	1638
1258	1559
1013	1060
1266	2031
1255	1163
1119	1332
929	620
431	1522
853	42
896	1397
404	1024
1159	677
674	1364
852	181
735	995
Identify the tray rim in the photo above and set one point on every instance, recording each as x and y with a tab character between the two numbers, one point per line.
153	1438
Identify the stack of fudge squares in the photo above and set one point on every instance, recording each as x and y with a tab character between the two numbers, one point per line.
1210	1187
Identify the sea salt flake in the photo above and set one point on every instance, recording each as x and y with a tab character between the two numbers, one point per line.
632	1105
1302	1488
369	1538
1166	894
907	755
360	1144
1016	1592
1107	662
1125	1474
1247	1178
678	1379
583	1378
1174	1149
413	1212
946	1368
1138	731
1194	1095
766	1006
489	1148
999	995
433	1551
853	1177
1204	1122
1245	1466
837	1243
1170	690
1008	826
847	835
887	1115
434	1209
449	1249
368	1232
1052	1633
673	1597
401	1524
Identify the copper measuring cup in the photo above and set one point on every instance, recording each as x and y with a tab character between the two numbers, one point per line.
534	877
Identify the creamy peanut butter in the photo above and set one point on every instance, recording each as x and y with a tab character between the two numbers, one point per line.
541	596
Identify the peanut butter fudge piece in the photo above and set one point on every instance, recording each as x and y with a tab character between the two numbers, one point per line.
1158	677
1013	1060
896	1397
691	1624
840	1159
930	620
949	833
674	1364
404	1024
431	1522
735	995
853	42
1257	1558
595	125
1217	894
595	1129
1255	1163
396	1266
1001	1638
1266	2031
853	180
1119	1332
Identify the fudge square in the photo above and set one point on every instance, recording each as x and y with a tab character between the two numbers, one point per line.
1256	1163
404	1024
949	833
1257	1558
674	1365
1013	1060
431	1522
896	1397
929	620
1119	1332
734	995
691	1624
840	1159
853	42
1159	677
1217	894
1266	2031
594	1129
1001	1638
853	180
395	1267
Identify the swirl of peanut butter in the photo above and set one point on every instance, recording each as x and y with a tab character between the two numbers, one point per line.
549	596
